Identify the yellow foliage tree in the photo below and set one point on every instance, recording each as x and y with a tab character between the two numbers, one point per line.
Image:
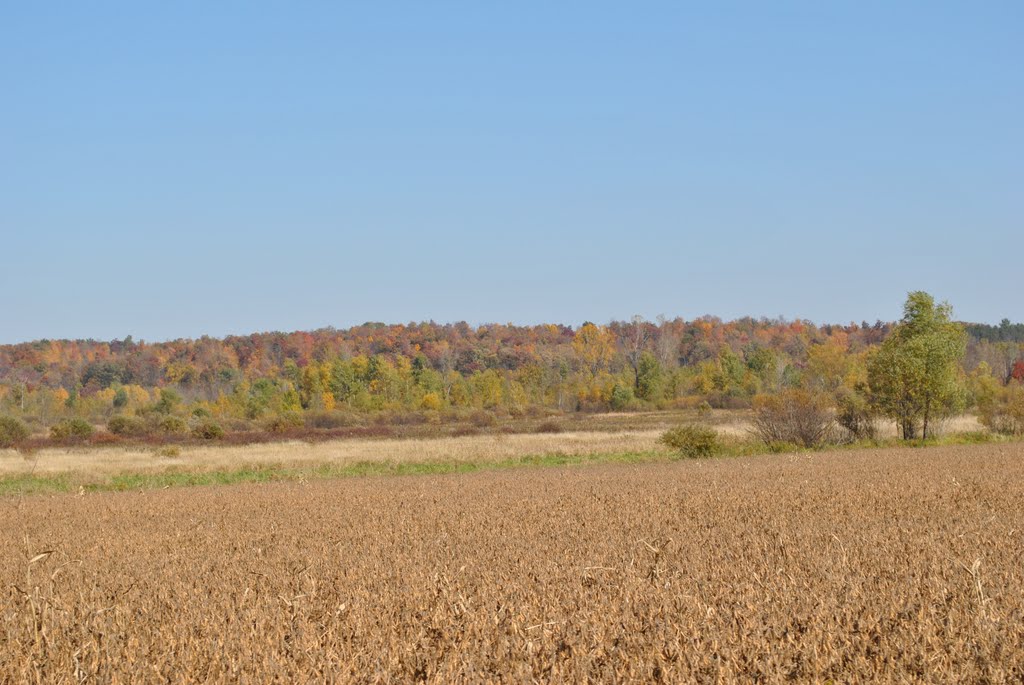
431	402
594	346
828	367
60	396
327	400
106	396
137	396
488	389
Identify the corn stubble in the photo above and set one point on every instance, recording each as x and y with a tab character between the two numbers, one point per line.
866	566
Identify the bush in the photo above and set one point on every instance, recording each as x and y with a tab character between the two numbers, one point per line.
1004	413
237	425
12	431
172	425
332	420
793	416
72	429
693	441
535	411
400	418
169	400
431	418
719	400
483	419
974	438
207	430
854	413
283	423
704	409
431	402
104	439
548	427
125	425
622	398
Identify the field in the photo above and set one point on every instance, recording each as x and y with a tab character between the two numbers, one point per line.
891	565
487	448
588	437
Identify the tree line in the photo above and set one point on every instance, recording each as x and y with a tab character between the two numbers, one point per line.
914	372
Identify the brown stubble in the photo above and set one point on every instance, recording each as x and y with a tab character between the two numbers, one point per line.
879	565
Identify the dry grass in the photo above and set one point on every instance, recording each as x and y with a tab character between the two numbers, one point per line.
471	448
867	566
591	435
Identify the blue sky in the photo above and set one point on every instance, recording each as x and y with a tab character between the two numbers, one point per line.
178	169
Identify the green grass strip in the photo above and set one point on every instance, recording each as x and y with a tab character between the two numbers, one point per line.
34	484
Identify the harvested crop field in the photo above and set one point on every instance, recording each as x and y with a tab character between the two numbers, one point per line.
876	565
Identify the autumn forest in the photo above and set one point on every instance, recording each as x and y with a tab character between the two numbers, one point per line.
427	372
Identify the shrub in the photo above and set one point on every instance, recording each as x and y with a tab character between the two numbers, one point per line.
974	438
12	431
431	418
125	425
622	398
483	419
71	429
548	427
169	400
168	452
704	409
719	400
283	423
400	418
1004	413
331	420
693	441
236	425
172	425
793	416
207	430
535	411
104	439
855	414
431	401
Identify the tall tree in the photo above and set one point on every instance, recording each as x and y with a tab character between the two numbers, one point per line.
915	376
633	337
594	346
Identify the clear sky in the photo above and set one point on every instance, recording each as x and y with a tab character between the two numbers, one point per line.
173	169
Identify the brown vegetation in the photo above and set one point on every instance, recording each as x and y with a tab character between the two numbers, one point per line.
884	565
86	465
796	417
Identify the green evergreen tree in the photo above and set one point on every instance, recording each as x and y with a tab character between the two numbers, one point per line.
650	379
